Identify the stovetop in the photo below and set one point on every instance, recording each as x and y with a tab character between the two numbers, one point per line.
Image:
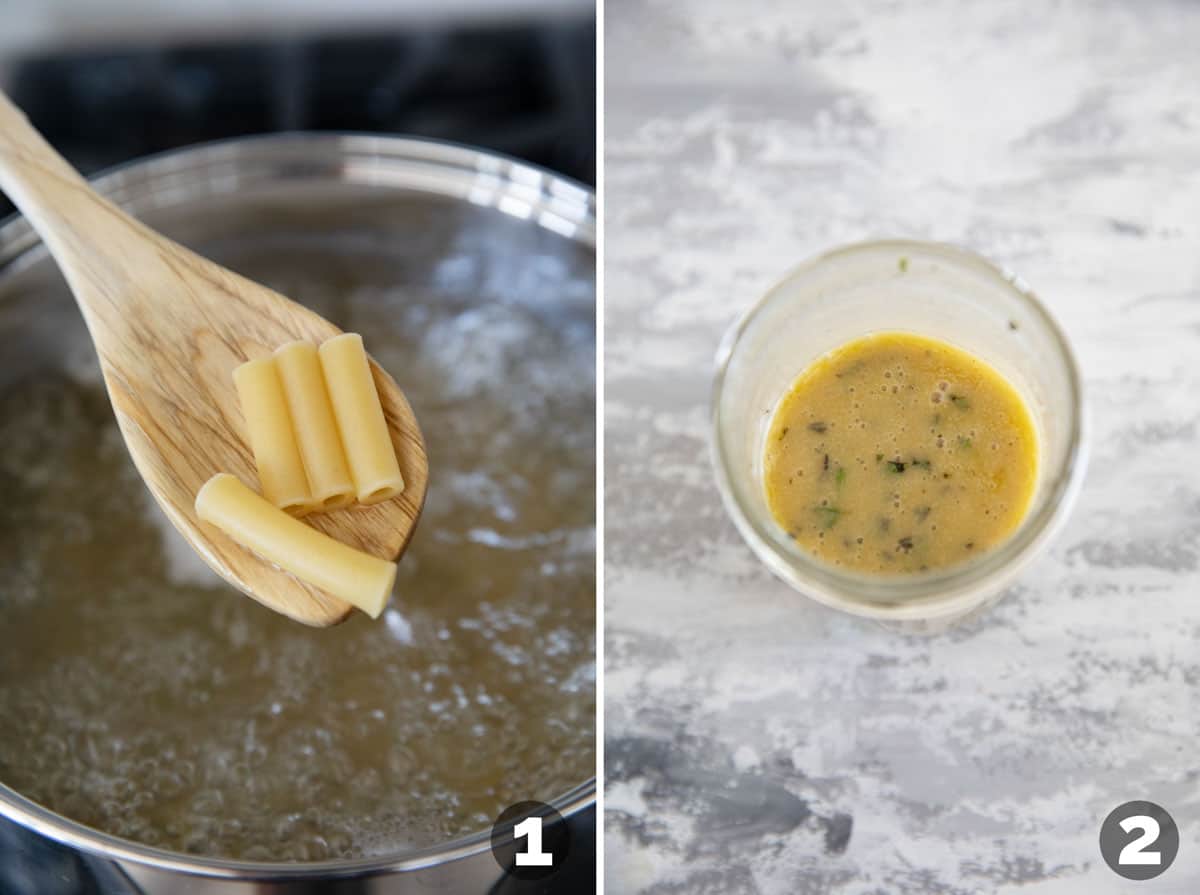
526	91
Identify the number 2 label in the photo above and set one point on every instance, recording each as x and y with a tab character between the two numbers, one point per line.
530	830
1133	853
1139	840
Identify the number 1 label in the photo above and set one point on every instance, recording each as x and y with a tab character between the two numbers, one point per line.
530	840
530	830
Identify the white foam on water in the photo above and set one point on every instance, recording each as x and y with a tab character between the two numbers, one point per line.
141	696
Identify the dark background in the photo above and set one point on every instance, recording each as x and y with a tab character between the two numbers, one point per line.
522	89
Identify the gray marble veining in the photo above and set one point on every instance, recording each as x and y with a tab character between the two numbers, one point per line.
756	742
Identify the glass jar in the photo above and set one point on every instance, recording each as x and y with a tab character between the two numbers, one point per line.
925	288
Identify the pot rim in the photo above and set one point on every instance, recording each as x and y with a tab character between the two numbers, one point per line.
114	848
512	186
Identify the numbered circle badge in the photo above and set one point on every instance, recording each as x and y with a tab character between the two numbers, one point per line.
1139	840
530	840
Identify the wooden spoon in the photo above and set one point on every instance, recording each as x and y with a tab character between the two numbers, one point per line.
169	327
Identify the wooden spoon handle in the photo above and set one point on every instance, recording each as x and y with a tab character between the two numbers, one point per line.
88	236
37	179
27	161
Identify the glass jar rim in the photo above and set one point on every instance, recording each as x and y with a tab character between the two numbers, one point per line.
920	597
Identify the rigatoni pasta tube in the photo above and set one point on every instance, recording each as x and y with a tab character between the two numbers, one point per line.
354	576
314	425
360	420
269	426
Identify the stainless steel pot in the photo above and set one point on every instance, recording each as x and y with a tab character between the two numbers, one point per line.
190	195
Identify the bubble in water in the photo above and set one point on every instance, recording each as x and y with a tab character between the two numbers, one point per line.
176	712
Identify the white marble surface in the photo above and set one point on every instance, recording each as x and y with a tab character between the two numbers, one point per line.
757	742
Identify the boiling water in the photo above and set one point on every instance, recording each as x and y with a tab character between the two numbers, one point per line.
141	696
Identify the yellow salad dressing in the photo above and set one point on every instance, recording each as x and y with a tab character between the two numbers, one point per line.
898	453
